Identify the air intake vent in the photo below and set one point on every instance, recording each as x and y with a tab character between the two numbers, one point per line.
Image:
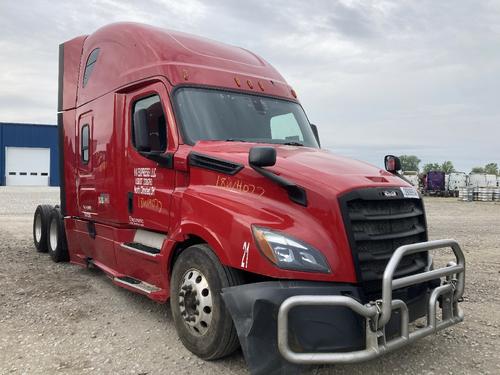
214	164
378	221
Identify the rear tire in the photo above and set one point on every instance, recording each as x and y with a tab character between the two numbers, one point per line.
41	227
56	237
201	319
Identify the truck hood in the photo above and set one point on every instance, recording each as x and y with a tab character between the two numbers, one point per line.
307	167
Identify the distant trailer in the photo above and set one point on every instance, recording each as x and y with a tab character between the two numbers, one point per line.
491	180
435	184
482	180
412	178
456	181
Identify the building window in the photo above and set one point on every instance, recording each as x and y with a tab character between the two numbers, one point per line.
85	143
156	126
89	67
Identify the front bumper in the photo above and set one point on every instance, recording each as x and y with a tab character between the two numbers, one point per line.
282	324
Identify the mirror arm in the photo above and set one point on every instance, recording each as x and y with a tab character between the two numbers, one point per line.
295	193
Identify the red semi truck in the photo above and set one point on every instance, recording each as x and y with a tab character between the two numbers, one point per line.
191	173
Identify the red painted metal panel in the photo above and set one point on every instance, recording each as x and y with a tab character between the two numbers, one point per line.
137	60
71	69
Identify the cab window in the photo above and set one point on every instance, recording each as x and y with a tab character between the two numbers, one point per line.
156	124
89	66
85	143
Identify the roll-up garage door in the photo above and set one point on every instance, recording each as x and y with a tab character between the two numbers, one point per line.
27	166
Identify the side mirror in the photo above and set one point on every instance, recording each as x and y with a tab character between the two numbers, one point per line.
141	132
314	129
392	163
262	156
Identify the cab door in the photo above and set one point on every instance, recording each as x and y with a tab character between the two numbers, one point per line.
85	182
150	144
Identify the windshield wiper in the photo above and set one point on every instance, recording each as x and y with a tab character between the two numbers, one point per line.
235	140
293	143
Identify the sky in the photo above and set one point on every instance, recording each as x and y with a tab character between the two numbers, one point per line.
377	77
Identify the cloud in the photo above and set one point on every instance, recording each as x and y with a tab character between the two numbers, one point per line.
376	76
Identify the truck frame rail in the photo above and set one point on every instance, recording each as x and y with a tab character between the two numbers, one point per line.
378	313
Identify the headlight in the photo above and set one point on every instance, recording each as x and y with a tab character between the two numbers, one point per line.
289	253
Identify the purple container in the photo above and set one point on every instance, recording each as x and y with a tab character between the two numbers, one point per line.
435	181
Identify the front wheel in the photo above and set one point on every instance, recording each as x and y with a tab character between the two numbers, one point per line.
201	319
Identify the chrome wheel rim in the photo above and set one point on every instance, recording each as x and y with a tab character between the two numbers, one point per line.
38	228
53	234
195	302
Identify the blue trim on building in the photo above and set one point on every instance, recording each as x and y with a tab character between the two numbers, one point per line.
30	135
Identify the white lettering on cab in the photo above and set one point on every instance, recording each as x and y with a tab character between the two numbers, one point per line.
244	258
144	179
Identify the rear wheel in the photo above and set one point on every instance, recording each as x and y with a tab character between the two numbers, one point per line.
40	227
56	239
201	319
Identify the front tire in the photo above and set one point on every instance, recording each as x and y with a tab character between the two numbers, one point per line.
56	237
201	319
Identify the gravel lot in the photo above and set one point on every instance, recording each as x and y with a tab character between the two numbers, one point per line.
62	319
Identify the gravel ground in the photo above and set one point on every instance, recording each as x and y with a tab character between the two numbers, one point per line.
62	319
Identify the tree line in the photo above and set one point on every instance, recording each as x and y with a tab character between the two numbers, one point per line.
412	163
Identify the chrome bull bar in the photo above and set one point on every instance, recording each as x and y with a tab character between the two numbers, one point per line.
378	313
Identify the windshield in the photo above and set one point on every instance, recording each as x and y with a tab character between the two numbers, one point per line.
208	114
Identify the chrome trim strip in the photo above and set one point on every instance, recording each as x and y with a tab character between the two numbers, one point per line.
138	250
144	287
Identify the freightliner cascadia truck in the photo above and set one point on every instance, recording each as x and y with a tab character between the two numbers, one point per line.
191	174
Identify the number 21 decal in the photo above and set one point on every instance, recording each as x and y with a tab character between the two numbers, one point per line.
244	258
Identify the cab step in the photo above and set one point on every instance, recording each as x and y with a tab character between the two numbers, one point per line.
145	242
136	284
